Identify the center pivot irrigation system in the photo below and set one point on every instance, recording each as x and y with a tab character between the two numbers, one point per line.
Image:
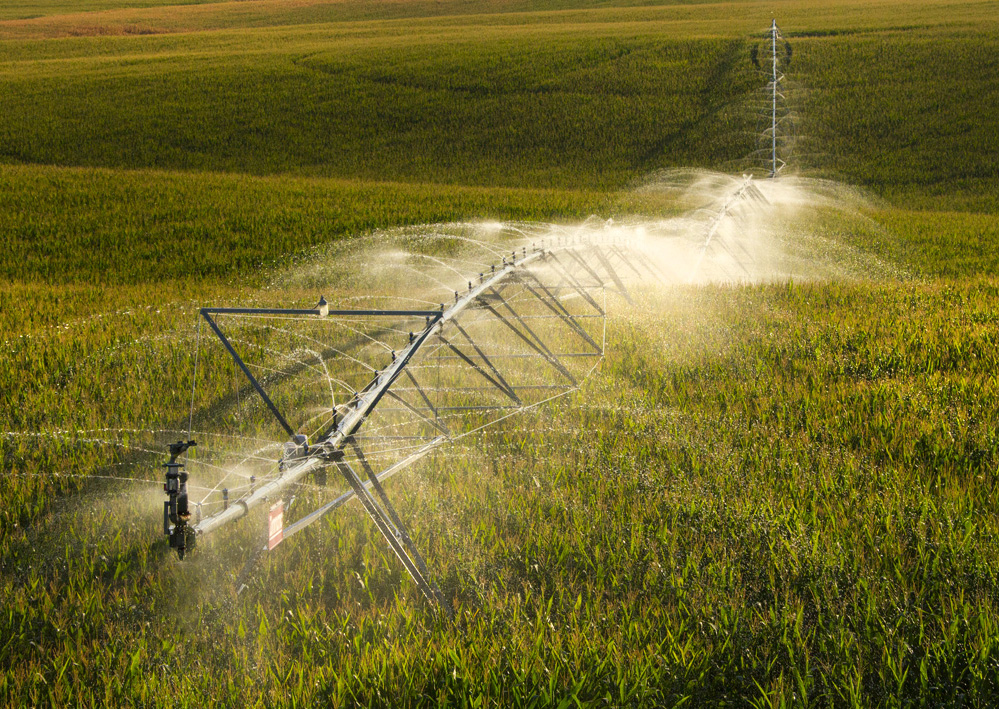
524	330
369	392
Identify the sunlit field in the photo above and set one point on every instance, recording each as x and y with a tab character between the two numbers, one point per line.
777	488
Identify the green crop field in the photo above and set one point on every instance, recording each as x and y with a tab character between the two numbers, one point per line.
780	493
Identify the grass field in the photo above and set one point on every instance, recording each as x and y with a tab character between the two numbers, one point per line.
889	100
771	495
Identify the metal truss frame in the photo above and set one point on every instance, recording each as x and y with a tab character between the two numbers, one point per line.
486	296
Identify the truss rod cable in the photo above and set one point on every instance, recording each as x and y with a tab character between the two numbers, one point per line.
87	476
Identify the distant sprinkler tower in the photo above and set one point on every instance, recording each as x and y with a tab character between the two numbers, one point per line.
775	53
774	81
773	85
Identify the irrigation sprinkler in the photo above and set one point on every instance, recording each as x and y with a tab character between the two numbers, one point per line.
527	330
176	510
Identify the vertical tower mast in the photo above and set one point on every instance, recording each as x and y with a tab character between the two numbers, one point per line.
773	114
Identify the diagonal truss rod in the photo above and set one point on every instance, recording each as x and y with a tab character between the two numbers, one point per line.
574	284
206	313
496	379
426	400
612	273
553	304
531	338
